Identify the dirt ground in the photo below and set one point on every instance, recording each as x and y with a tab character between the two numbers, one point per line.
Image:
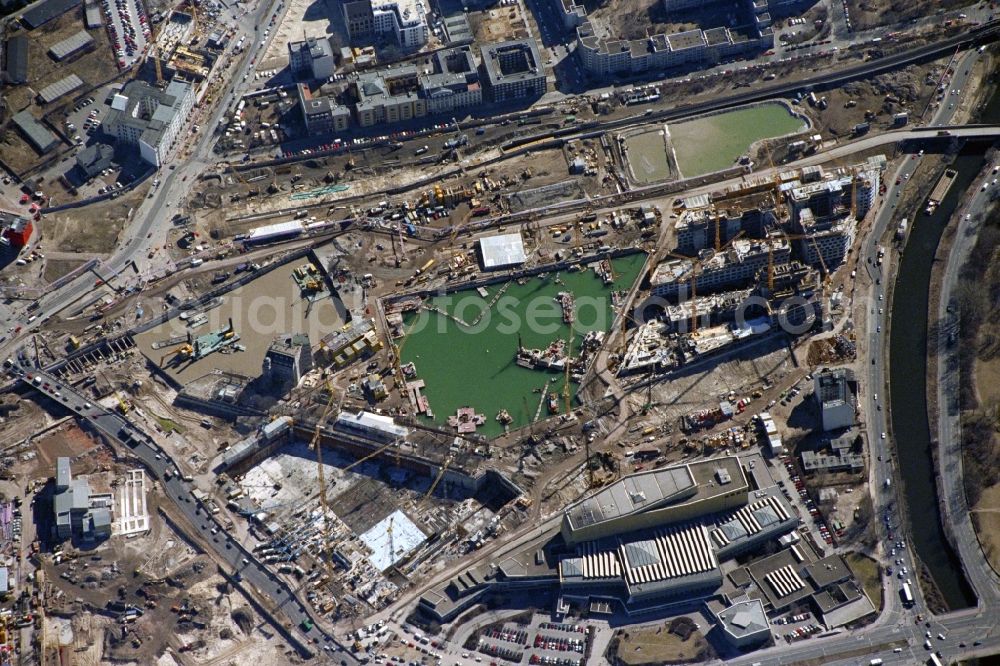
94	228
867	14
56	268
911	88
498	24
92	66
68	441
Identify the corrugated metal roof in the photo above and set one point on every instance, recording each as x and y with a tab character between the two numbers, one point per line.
37	134
71	45
63	86
46	11
16	58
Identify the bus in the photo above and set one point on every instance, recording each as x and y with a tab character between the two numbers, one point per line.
906	594
934	660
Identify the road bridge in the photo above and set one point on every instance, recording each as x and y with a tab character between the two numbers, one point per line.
248	570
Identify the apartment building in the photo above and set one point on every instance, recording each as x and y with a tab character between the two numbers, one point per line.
388	96
514	70
454	84
736	265
406	19
311	59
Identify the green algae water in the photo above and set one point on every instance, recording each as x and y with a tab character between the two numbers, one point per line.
474	366
715	142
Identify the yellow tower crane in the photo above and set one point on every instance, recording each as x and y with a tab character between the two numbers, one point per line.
318	447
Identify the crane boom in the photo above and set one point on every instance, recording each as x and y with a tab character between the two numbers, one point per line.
318	447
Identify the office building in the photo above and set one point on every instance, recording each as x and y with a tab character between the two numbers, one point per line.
288	359
148	118
841	454
359	19
311	58
744	624
78	513
405	19
322	114
514	70
836	396
655	498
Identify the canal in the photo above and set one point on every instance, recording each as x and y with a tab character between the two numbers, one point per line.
908	373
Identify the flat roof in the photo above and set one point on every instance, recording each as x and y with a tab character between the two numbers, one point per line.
645	491
828	570
744	618
502	250
685	40
391	539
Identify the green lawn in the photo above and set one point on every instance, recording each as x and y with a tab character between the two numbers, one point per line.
867	571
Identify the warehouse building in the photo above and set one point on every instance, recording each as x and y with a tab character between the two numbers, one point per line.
63	86
15	59
45	11
514	70
72	45
37	134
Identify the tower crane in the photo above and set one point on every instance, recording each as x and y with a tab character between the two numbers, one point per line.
318	447
696	264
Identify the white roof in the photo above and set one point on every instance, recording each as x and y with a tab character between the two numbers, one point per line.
275	229
119	102
391	539
502	250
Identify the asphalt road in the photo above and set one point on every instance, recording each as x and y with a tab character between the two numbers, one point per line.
242	562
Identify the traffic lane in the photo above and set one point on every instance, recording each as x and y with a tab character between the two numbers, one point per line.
178	492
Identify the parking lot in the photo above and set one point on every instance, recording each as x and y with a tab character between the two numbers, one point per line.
541	642
795	491
128	30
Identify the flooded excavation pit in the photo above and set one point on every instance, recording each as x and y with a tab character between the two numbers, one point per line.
484	363
647	156
715	142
